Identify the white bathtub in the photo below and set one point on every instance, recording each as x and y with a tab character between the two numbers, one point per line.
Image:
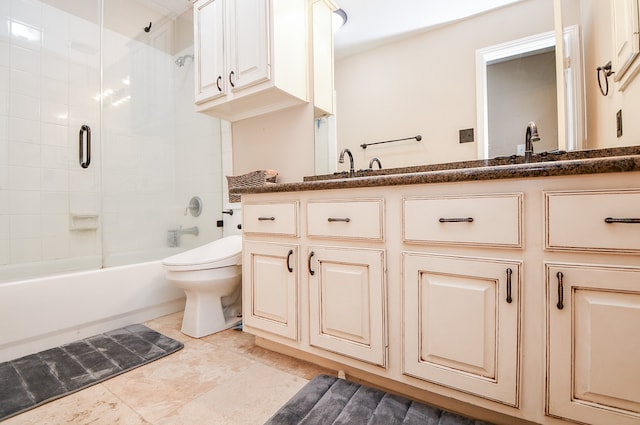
37	314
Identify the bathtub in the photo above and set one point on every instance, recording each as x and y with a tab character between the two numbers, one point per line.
37	314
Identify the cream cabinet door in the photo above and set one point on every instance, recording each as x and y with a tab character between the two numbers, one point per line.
248	43
593	330
347	302
461	323
209	49
270	287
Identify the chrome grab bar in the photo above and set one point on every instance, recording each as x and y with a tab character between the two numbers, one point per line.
84	146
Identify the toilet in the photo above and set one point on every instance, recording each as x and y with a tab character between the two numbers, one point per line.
211	277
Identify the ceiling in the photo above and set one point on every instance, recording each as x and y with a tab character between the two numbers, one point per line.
372	22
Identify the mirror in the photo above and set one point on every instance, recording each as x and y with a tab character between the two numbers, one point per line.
426	83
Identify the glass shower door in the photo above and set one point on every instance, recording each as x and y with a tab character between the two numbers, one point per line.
49	78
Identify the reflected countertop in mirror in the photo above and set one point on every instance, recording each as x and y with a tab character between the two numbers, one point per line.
549	164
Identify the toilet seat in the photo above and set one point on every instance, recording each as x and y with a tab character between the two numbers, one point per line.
220	253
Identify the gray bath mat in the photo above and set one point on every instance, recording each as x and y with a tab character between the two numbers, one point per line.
38	378
327	400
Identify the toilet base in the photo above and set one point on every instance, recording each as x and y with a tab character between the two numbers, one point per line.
212	308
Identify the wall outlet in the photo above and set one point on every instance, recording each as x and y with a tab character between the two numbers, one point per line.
466	135
619	123
520	149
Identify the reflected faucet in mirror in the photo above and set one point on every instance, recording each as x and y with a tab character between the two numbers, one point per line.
375	160
530	137
352	171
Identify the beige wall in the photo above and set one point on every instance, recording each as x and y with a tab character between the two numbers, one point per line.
282	141
601	111
424	85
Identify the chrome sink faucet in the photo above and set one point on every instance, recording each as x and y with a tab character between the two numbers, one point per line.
530	137
352	170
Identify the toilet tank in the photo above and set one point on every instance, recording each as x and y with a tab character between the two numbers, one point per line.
232	222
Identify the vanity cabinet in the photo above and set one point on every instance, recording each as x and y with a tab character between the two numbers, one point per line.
461	323
593	306
626	40
249	56
513	301
272	289
347	301
347	292
594	343
270	268
462	313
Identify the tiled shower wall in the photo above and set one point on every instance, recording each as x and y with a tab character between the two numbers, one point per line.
150	154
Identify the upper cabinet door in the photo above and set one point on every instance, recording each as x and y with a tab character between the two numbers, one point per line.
209	50
626	39
248	43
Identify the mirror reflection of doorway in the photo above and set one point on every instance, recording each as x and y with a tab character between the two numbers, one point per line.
521	89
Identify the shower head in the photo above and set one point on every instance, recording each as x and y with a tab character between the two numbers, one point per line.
181	60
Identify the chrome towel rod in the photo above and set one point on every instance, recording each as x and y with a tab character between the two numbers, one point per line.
364	145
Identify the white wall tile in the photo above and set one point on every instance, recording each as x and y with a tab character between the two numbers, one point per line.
23	82
25	250
54	112
23	130
55	179
24	59
55	247
24	202
55	202
24	178
24	226
5	78
24	154
55	157
55	68
55	225
57	135
25	107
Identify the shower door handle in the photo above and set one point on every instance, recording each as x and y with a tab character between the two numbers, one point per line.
84	146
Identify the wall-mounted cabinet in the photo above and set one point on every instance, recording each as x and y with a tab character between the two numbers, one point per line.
626	40
323	77
251	56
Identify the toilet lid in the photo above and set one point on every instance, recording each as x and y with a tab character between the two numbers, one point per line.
220	253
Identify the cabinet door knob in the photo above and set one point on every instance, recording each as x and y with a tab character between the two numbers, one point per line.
509	272
560	304
288	261
311	254
231	74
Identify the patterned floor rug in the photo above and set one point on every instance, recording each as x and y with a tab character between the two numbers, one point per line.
38	378
328	400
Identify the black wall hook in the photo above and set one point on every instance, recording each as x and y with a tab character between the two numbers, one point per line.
147	29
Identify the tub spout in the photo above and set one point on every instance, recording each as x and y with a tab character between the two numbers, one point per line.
173	236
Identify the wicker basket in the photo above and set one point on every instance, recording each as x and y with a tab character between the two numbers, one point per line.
252	179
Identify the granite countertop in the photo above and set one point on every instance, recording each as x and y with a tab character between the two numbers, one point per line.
611	160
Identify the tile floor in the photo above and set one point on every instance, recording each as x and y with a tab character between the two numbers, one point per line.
220	379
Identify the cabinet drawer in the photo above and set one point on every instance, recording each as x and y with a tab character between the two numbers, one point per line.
593	221
494	220
360	219
277	218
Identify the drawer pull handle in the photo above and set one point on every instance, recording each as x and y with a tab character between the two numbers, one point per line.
456	220
332	220
266	218
509	299
311	254
560	304
622	220
289	261
218	82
